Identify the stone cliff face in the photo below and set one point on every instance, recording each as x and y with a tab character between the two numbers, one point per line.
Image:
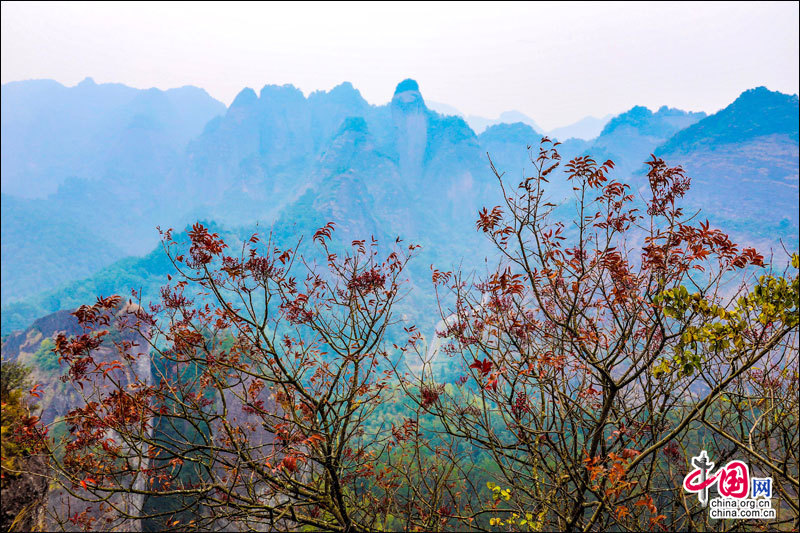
33	348
24	497
20	342
410	118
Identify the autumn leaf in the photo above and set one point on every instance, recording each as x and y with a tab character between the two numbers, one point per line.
484	367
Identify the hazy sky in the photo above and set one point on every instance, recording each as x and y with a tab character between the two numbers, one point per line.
555	62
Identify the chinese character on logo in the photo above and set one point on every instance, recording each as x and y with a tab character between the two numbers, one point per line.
702	468
732	480
761	487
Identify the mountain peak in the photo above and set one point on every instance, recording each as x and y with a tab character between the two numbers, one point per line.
519	132
407	96
406	85
245	97
665	122
755	113
764	97
586	129
480	124
343	94
88	81
281	90
345	86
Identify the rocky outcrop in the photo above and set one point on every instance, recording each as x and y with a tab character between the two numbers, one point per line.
410	117
33	348
24	496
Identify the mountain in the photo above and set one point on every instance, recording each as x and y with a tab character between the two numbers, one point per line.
755	113
44	248
629	138
33	348
743	161
84	174
586	129
295	163
507	146
479	124
51	132
268	149
292	163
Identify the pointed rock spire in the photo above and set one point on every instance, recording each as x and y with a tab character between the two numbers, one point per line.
407	96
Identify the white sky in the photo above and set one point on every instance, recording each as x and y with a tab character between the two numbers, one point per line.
554	62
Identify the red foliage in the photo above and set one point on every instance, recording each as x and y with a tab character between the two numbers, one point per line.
367	281
204	246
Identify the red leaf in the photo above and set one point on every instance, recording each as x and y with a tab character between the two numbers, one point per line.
484	366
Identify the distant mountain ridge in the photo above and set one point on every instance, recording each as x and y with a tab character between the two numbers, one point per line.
294	162
479	124
663	121
586	128
83	172
629	138
744	162
51	132
756	112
